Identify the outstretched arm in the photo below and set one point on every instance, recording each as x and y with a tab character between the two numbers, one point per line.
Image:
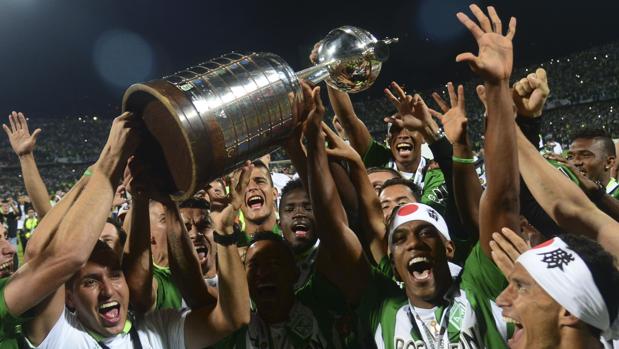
499	206
232	309
23	144
466	186
334	233
370	211
40	279
566	204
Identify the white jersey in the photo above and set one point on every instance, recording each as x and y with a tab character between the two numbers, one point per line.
157	330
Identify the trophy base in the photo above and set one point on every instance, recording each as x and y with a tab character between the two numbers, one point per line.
171	151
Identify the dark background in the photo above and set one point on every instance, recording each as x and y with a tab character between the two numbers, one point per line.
76	57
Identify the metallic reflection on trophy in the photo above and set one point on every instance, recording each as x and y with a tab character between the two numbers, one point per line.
210	118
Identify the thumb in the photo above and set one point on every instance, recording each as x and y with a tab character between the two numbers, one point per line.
36	132
467	57
481	93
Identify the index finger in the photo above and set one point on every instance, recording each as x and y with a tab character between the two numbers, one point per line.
441	103
470	25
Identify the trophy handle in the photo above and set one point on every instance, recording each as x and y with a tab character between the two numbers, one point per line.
317	73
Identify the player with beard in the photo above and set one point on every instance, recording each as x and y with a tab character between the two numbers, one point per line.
435	310
298	227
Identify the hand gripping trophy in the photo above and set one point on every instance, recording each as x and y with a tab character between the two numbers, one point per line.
211	117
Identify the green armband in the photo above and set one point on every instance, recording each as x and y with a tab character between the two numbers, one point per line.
87	173
462	160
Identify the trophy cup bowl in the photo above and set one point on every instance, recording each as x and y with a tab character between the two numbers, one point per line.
208	119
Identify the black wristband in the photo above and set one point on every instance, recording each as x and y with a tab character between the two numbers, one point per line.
226	240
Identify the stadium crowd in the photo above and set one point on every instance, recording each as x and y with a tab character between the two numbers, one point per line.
496	240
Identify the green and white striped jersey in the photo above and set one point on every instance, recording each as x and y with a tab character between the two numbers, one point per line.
473	321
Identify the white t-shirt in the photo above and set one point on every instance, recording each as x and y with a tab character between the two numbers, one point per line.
157	330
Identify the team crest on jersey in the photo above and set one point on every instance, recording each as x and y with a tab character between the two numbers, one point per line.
457	315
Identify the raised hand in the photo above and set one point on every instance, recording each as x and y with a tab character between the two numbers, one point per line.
530	93
506	247
313	124
122	141
495	58
453	119
223	221
338	149
20	138
413	113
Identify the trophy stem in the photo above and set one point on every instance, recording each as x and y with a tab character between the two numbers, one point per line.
315	74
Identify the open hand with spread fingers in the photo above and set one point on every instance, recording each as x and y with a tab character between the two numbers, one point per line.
22	141
453	118
494	60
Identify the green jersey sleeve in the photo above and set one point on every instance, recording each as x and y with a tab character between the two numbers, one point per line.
385	267
482	276
10	326
377	155
380	292
434	190
168	295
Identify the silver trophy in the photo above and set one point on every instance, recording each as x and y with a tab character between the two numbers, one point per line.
210	118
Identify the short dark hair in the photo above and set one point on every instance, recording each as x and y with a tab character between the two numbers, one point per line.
122	235
293	184
602	267
405	182
259	163
395	173
270	236
597	134
195	203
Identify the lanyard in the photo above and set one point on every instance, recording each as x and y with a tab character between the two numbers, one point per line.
135	338
433	340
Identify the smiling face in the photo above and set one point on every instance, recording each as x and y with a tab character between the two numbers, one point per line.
535	313
7	252
297	220
99	293
258	204
394	195
419	254
590	157
405	146
271	273
200	232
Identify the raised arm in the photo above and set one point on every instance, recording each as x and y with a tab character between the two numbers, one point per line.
75	236
563	200
370	211
499	206
466	186
23	144
232	309
333	231
137	262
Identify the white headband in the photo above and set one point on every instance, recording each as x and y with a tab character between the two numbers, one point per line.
566	278
418	212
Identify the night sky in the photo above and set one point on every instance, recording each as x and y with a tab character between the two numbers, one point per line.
76	57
